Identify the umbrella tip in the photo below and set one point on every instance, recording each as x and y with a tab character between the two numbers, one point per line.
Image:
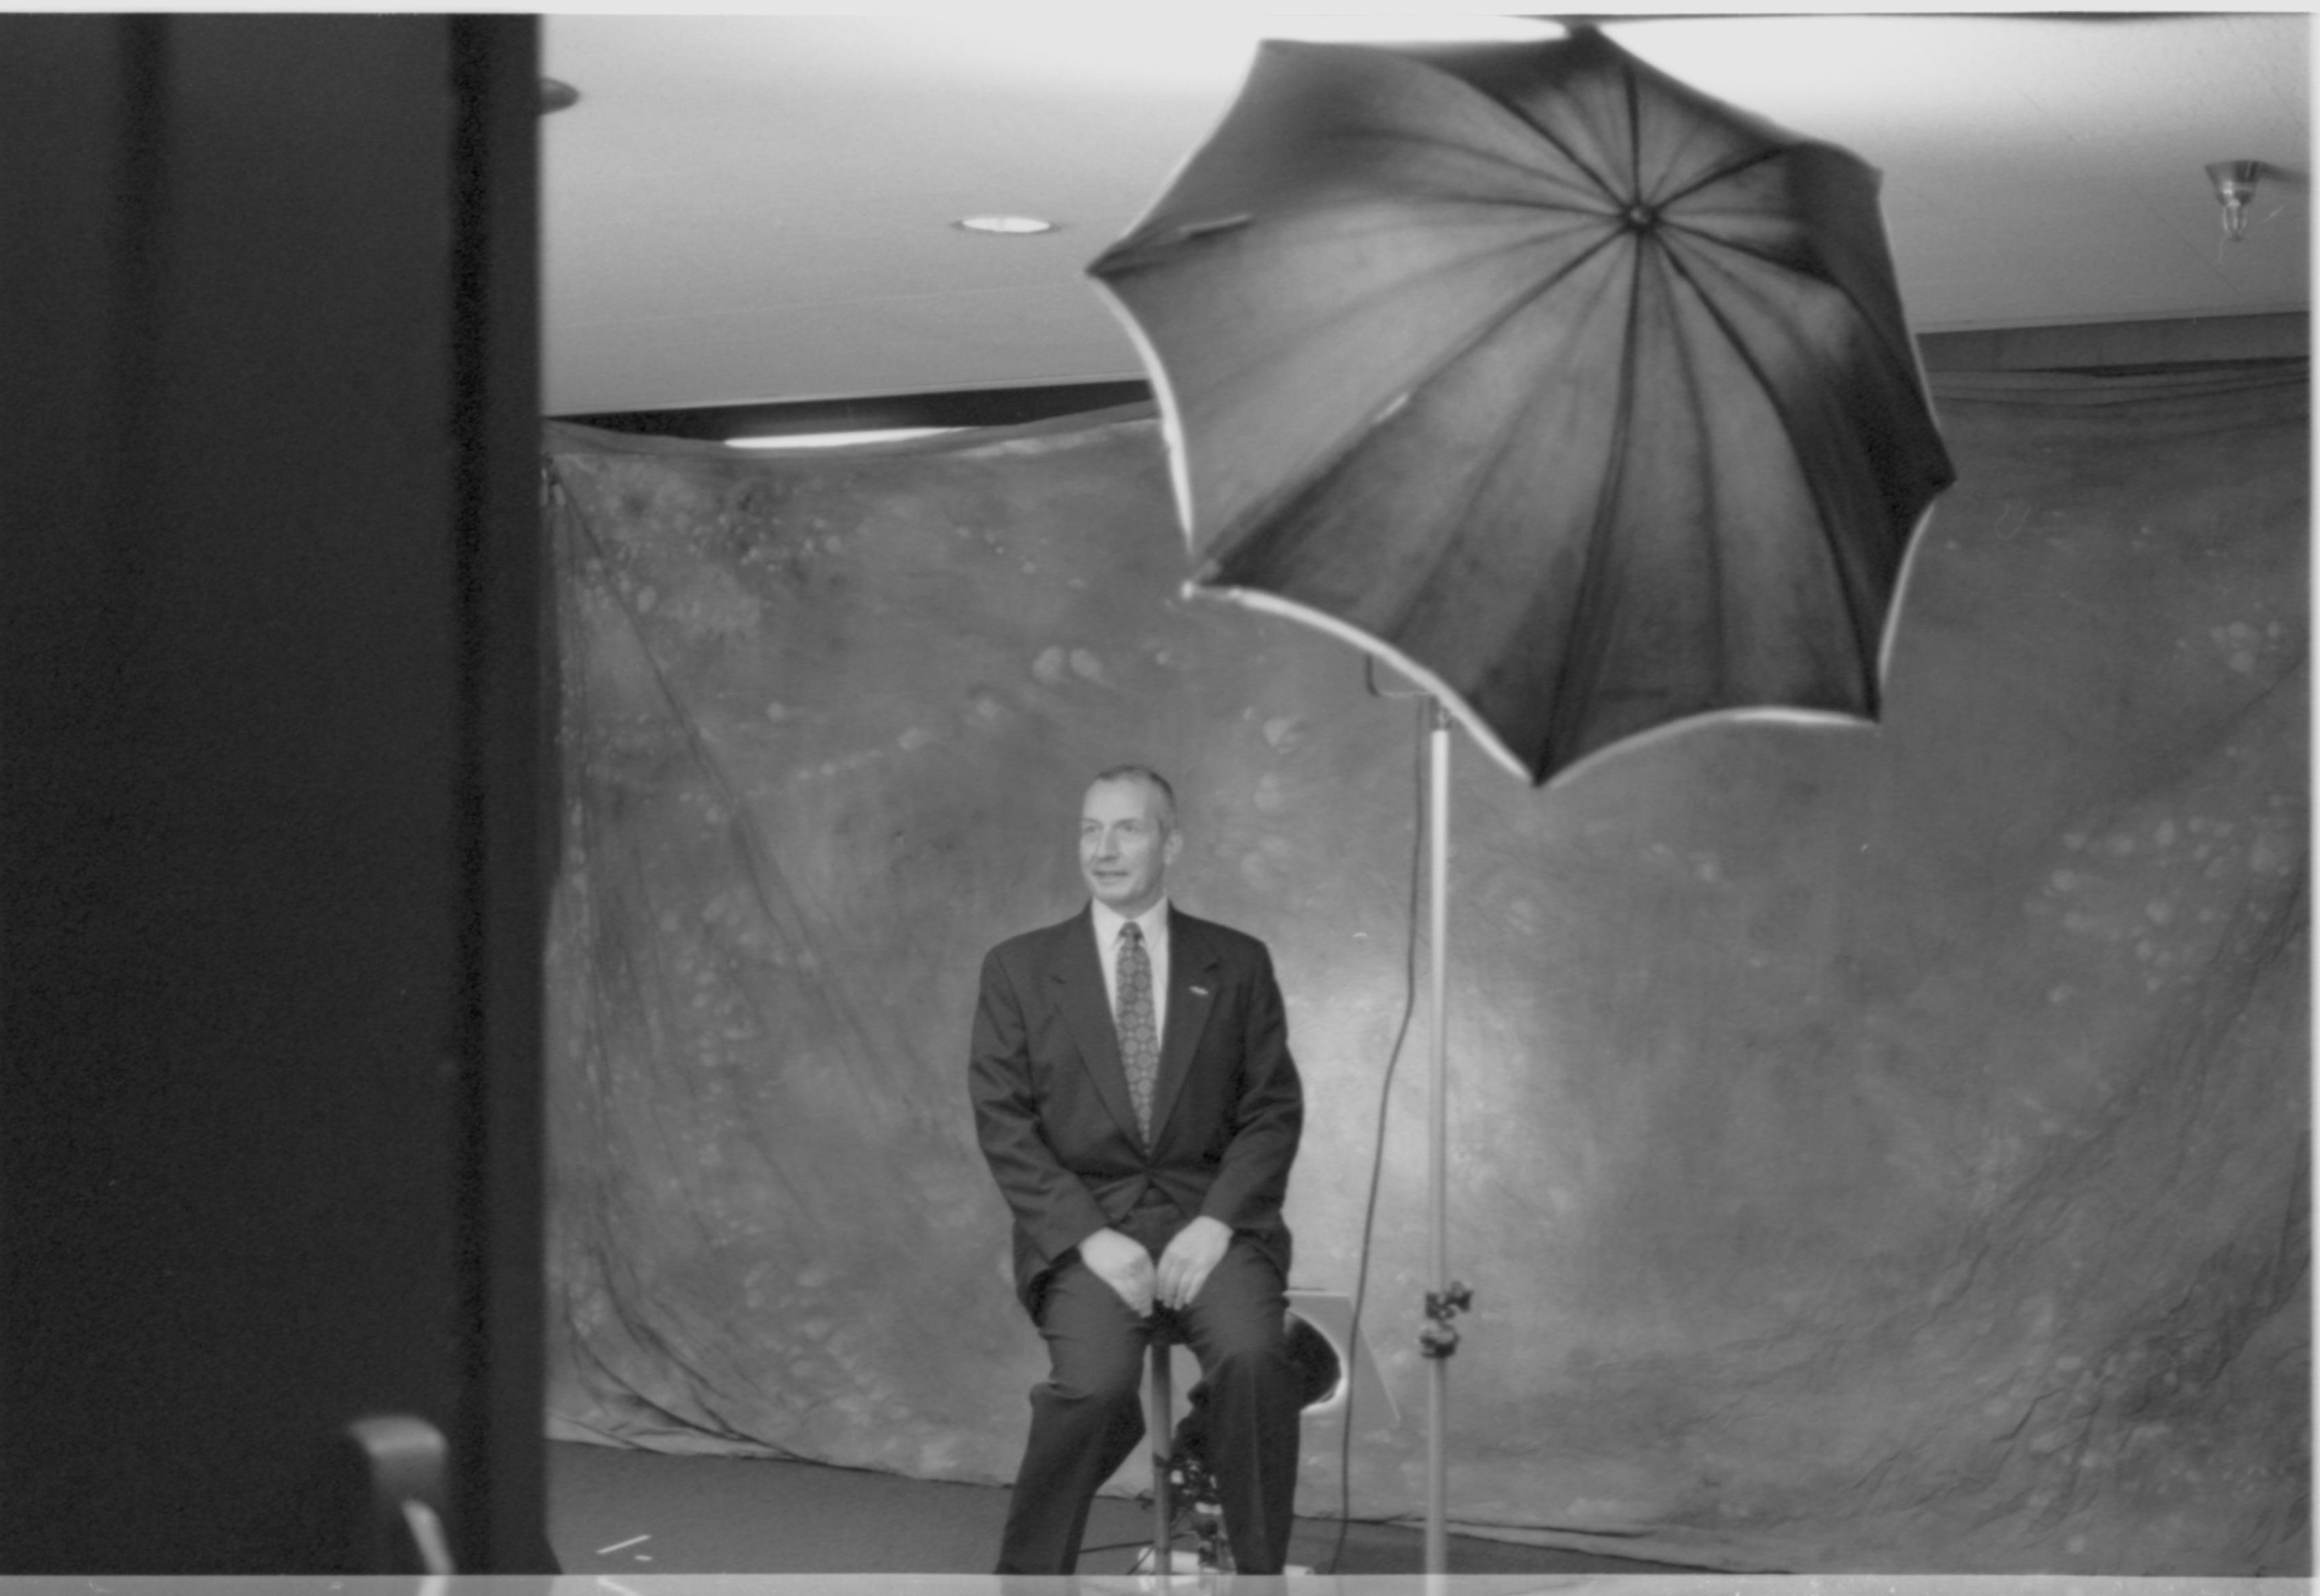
1585	31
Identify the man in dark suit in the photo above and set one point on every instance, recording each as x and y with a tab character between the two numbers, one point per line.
1136	1099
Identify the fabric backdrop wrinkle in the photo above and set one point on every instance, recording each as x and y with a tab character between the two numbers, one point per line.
1873	1147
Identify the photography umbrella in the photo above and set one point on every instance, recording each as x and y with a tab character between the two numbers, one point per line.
1584	399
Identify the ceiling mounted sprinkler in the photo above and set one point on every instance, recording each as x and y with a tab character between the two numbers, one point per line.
2235	182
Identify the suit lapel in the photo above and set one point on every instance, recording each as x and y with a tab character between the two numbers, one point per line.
1191	997
1076	978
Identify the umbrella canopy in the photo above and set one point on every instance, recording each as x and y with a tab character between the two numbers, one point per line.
1586	399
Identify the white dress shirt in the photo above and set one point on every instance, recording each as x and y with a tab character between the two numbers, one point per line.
1154	924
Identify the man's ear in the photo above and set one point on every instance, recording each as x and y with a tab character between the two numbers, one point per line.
1170	848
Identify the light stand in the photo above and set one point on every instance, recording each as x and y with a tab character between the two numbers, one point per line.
1437	1339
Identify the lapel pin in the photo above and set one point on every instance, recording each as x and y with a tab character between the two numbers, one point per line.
1200	991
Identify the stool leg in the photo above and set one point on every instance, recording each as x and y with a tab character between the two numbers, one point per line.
1163	1435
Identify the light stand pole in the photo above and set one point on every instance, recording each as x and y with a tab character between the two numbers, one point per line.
1437	1339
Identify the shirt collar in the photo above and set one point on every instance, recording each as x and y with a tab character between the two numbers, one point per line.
1108	921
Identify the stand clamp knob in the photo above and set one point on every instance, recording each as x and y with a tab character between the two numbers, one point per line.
1439	1338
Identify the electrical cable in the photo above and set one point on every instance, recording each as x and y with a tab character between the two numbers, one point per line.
1377	1154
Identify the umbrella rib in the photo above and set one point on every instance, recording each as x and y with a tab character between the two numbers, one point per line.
1729	169
1604	184
1591	572
1343	450
1632	91
1633	97
1482	333
1628	384
1590	578
1867	639
1507	163
1866	314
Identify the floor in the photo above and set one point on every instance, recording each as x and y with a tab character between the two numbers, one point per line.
618	1510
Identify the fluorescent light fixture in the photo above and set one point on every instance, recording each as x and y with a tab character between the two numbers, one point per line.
1008	226
1386	27
837	440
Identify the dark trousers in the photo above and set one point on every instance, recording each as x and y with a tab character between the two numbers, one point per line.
1088	1415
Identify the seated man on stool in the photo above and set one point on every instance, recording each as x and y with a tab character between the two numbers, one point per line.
1134	1094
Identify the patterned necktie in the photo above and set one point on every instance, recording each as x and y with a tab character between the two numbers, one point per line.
1139	1035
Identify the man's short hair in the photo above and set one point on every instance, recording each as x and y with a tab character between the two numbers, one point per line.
1150	778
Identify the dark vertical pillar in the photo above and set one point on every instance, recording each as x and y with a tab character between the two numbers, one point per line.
269	760
509	750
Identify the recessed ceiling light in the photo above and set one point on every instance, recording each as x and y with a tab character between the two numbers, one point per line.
1012	226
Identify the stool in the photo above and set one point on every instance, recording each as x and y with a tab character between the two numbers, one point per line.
1322	1374
1161	1428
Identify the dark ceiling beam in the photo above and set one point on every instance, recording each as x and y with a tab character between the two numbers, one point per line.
967	407
2079	347
2099	346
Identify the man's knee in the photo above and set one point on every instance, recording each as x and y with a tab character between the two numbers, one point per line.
1255	1362
1107	1381
1108	1377
1246	1346
1095	1348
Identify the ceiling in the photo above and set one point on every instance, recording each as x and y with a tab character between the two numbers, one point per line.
753	208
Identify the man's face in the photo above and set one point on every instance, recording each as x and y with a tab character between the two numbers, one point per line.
1126	845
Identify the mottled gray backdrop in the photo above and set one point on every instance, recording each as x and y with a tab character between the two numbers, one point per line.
1873	1149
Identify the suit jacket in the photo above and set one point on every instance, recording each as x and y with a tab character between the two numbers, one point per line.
1051	1101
